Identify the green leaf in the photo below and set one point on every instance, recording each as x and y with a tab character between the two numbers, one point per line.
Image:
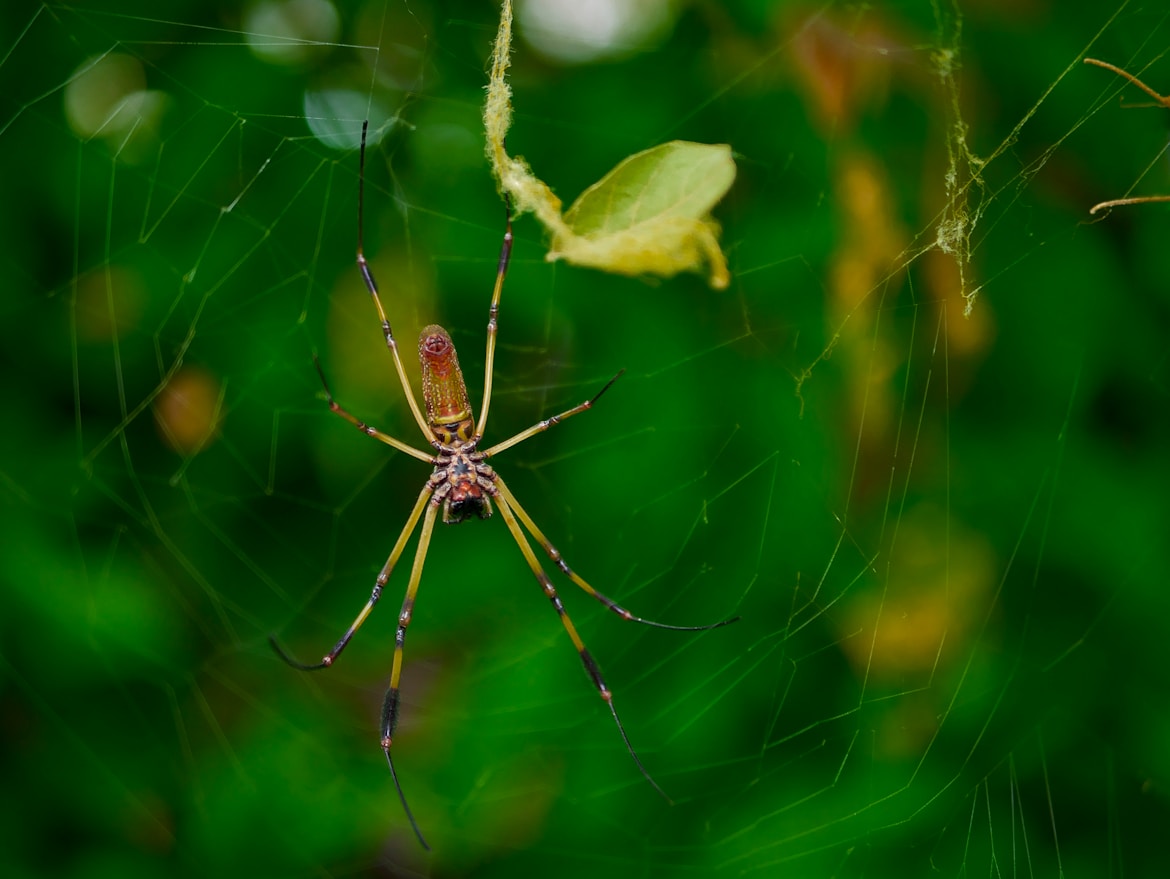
649	215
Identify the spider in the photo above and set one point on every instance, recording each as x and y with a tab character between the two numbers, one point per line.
462	485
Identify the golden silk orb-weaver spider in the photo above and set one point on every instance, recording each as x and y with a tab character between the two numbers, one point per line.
462	485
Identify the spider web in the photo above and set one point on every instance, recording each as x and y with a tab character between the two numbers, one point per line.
918	445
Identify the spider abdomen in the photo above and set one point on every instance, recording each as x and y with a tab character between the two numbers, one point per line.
444	391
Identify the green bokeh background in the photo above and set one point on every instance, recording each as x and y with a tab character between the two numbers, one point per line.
1020	484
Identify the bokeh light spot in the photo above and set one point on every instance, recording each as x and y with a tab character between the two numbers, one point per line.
292	32
335	117
188	411
109	304
579	31
107	98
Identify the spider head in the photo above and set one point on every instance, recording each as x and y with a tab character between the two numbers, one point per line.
464	501
455	511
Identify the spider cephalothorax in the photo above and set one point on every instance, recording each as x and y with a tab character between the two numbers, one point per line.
463	485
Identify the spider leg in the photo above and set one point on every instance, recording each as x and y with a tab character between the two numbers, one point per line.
379	584
591	667
493	314
555	555
372	286
541	426
390	702
365	428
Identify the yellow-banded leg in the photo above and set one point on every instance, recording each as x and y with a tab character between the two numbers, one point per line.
493	317
591	667
390	702
367	429
372	286
555	555
541	426
379	585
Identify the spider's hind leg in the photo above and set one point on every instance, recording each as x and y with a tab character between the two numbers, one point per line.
555	555
504	502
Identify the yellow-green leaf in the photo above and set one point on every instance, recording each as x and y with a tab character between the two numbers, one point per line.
649	215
